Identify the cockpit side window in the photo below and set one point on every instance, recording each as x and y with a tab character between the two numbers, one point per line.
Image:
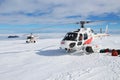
80	37
92	31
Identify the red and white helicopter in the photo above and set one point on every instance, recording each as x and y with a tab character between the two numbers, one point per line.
80	39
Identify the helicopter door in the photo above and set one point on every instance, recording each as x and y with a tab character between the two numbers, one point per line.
80	39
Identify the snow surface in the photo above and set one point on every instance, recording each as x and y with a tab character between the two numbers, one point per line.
45	61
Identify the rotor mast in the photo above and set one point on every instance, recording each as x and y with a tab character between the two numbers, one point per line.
82	23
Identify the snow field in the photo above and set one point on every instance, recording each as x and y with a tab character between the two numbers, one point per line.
45	61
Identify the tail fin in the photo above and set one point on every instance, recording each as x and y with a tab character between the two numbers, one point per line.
106	31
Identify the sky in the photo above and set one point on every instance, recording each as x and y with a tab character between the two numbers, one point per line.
26	15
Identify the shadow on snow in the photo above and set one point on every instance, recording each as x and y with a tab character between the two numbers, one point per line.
53	52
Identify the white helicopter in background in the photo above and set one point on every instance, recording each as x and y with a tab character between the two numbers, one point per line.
81	39
31	39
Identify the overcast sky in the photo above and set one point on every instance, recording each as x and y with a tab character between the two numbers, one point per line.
25	12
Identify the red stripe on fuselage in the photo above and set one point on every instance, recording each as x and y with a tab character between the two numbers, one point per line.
88	41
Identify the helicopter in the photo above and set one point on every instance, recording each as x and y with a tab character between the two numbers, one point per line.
81	39
31	39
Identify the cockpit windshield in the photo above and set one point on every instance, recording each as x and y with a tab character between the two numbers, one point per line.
71	36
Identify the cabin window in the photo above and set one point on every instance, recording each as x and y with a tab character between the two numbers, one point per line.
85	36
